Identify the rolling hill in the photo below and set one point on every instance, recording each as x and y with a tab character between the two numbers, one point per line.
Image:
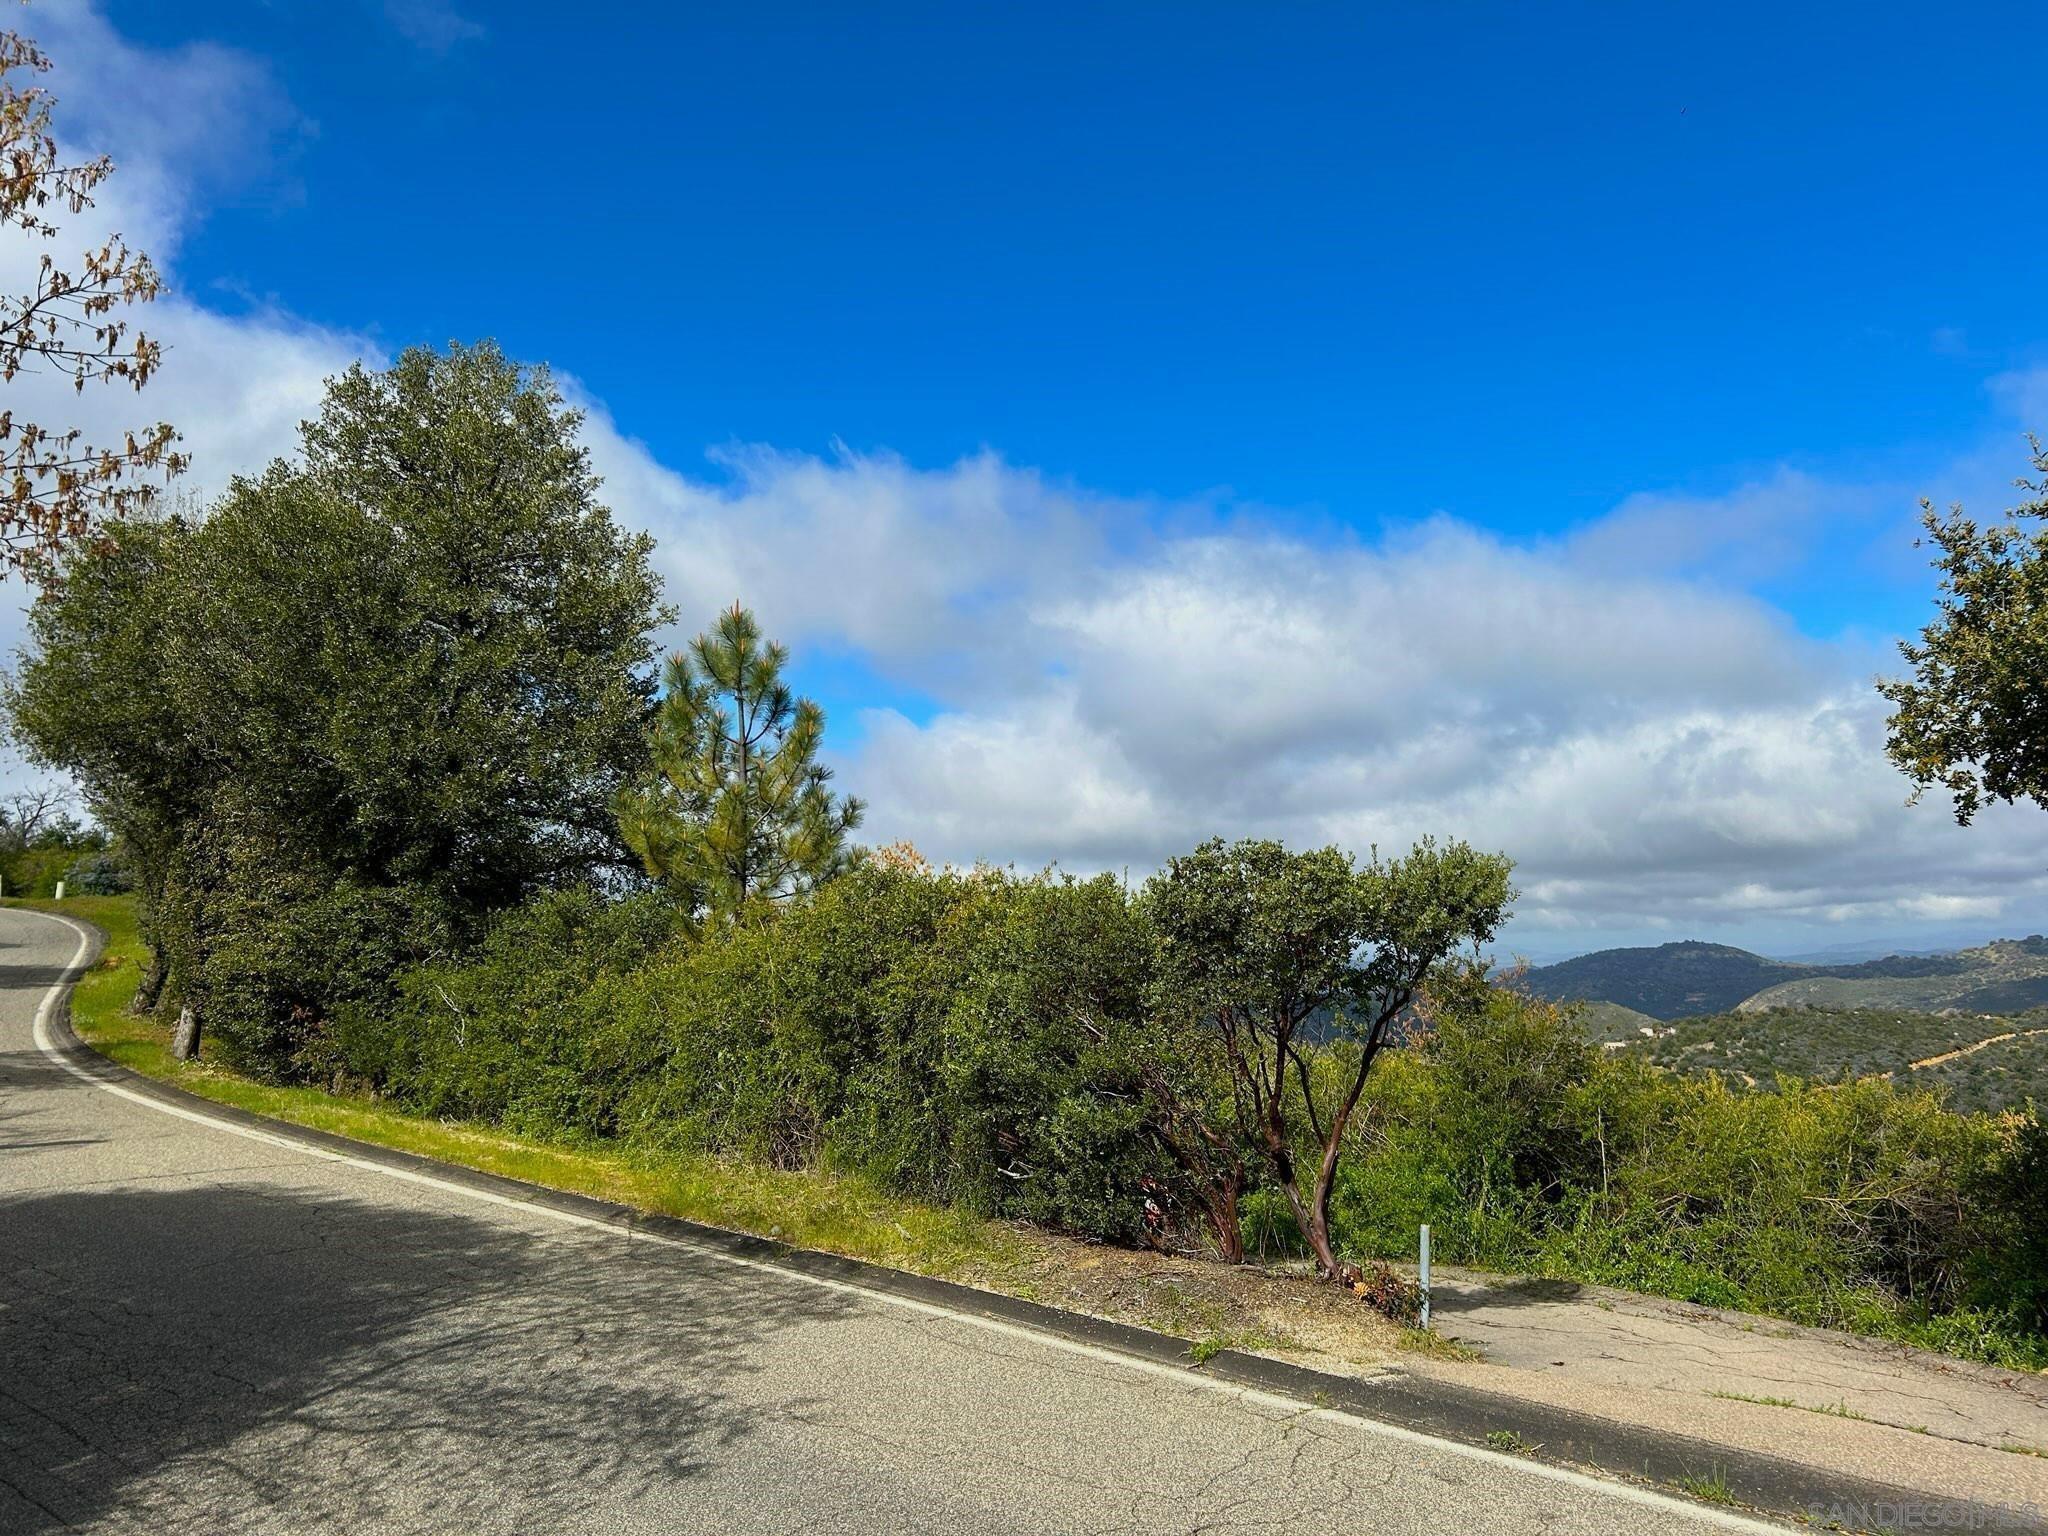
2005	976
1973	1024
1670	981
1683	980
1603	1022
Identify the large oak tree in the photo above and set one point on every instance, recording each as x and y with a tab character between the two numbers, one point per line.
374	694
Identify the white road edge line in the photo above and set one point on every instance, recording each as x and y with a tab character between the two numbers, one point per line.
1291	1406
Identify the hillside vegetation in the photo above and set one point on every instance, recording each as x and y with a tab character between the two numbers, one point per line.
1986	1062
1610	1022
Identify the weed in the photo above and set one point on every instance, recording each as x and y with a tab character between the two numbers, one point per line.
1767	1402
1711	1489
1832	1410
1427	1341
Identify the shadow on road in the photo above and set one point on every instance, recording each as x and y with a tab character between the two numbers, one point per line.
227	1358
32	979
25	1076
29	1085
1504	1293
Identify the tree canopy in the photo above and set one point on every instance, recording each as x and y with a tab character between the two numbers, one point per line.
1266	957
1973	716
386	688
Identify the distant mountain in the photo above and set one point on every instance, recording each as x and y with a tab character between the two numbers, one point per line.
1677	981
1957	1022
1856	953
1669	981
2003	977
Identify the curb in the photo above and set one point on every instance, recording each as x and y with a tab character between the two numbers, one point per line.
1449	1411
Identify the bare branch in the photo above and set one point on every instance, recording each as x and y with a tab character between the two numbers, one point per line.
55	490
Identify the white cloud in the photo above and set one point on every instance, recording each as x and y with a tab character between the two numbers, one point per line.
1658	752
180	123
1755	531
434	25
2023	394
235	385
863	550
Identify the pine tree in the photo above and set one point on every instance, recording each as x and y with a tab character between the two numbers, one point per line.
737	810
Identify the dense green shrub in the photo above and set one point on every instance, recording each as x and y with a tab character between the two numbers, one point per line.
980	1039
1510	1076
522	1032
957	1036
951	1035
267	949
1800	1201
2011	1275
1851	1205
1040	1110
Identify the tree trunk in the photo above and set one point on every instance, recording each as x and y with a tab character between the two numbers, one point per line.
1325	1250
185	1038
152	986
1312	1211
1313	1223
1221	1199
1217	1188
1280	1158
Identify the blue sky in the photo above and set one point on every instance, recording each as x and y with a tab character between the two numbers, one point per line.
1513	262
1021	316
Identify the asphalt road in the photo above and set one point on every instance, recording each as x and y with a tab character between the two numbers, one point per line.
203	1331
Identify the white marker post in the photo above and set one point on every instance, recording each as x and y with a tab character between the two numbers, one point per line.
1425	1276
60	890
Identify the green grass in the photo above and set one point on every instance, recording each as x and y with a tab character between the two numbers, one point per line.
1711	1489
1507	1441
1427	1341
1206	1323
1765	1402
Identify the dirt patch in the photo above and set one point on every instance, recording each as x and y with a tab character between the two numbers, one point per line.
1213	1305
1965	1050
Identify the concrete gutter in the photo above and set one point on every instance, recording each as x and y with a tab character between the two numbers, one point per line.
1449	1410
